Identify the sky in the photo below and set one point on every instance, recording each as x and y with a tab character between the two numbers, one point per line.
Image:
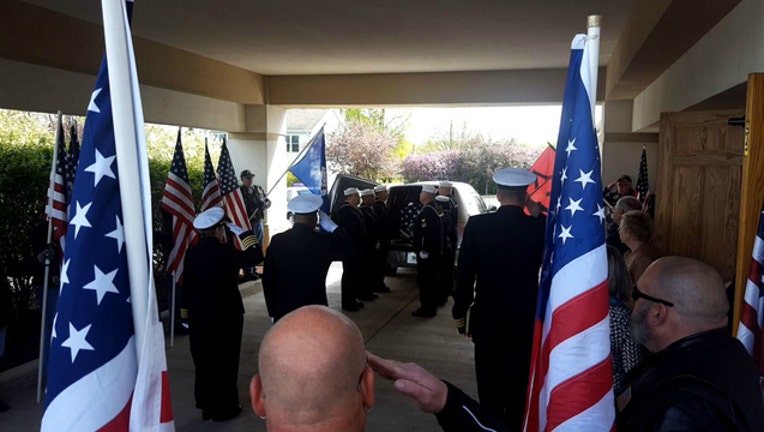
534	125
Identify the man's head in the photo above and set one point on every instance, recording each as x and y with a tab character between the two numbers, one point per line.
246	178
623	205
380	192
427	194
367	197
304	209
444	187
352	196
624	185
677	297
636	226
313	373
512	185
211	223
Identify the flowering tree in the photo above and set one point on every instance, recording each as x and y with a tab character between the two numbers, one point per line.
362	151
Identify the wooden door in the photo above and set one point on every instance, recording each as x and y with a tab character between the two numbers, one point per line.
700	164
752	191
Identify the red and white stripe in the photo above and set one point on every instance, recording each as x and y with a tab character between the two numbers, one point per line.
752	311
211	195
575	375
236	210
56	210
178	201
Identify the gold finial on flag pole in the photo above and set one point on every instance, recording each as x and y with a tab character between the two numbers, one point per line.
593	21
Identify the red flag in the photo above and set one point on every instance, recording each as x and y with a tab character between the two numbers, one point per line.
540	190
571	380
752	312
211	193
233	201
177	201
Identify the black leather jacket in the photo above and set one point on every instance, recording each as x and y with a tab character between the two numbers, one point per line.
704	382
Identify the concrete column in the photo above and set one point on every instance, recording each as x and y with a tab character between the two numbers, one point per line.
622	148
262	150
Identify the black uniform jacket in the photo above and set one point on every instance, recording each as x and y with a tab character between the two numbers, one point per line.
352	221
464	414
371	225
500	257
704	382
428	231
211	279
296	265
385	226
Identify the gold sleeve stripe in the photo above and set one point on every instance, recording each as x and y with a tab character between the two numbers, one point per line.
249	241
461	322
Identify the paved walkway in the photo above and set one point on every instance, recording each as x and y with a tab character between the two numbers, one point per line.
387	326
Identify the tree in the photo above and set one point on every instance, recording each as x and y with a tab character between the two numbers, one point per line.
359	150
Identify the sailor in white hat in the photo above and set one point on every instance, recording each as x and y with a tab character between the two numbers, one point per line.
386	231
213	305
294	273
498	268
350	218
428	245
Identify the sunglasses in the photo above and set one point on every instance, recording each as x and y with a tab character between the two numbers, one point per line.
636	294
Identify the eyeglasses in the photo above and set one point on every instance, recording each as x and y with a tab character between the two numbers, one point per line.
636	294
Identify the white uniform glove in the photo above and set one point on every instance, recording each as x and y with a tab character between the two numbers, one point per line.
235	229
424	255
326	223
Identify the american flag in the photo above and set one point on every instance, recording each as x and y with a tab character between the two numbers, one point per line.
752	312
232	199
57	194
72	158
643	184
99	376
571	383
178	201
211	193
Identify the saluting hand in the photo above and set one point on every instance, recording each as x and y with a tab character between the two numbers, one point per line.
428	392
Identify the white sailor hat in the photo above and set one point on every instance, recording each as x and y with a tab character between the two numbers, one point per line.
445	183
513	178
209	218
366	192
380	188
351	191
305	204
428	189
442	198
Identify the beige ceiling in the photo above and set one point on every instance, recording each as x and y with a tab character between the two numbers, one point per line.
297	37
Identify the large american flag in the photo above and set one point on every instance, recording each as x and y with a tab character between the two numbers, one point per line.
99	377
232	199
211	193
178	201
571	384
752	312
58	198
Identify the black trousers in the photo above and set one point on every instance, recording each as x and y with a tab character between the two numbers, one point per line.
446	269
350	285
380	267
427	278
215	348
502	373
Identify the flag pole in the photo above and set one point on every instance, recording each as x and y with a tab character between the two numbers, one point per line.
126	139
172	314
46	275
593	23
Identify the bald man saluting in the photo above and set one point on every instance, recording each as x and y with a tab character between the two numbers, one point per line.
313	374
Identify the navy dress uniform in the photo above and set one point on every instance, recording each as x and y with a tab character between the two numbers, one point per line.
386	230
428	245
350	218
215	310
449	208
370	245
297	261
498	269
